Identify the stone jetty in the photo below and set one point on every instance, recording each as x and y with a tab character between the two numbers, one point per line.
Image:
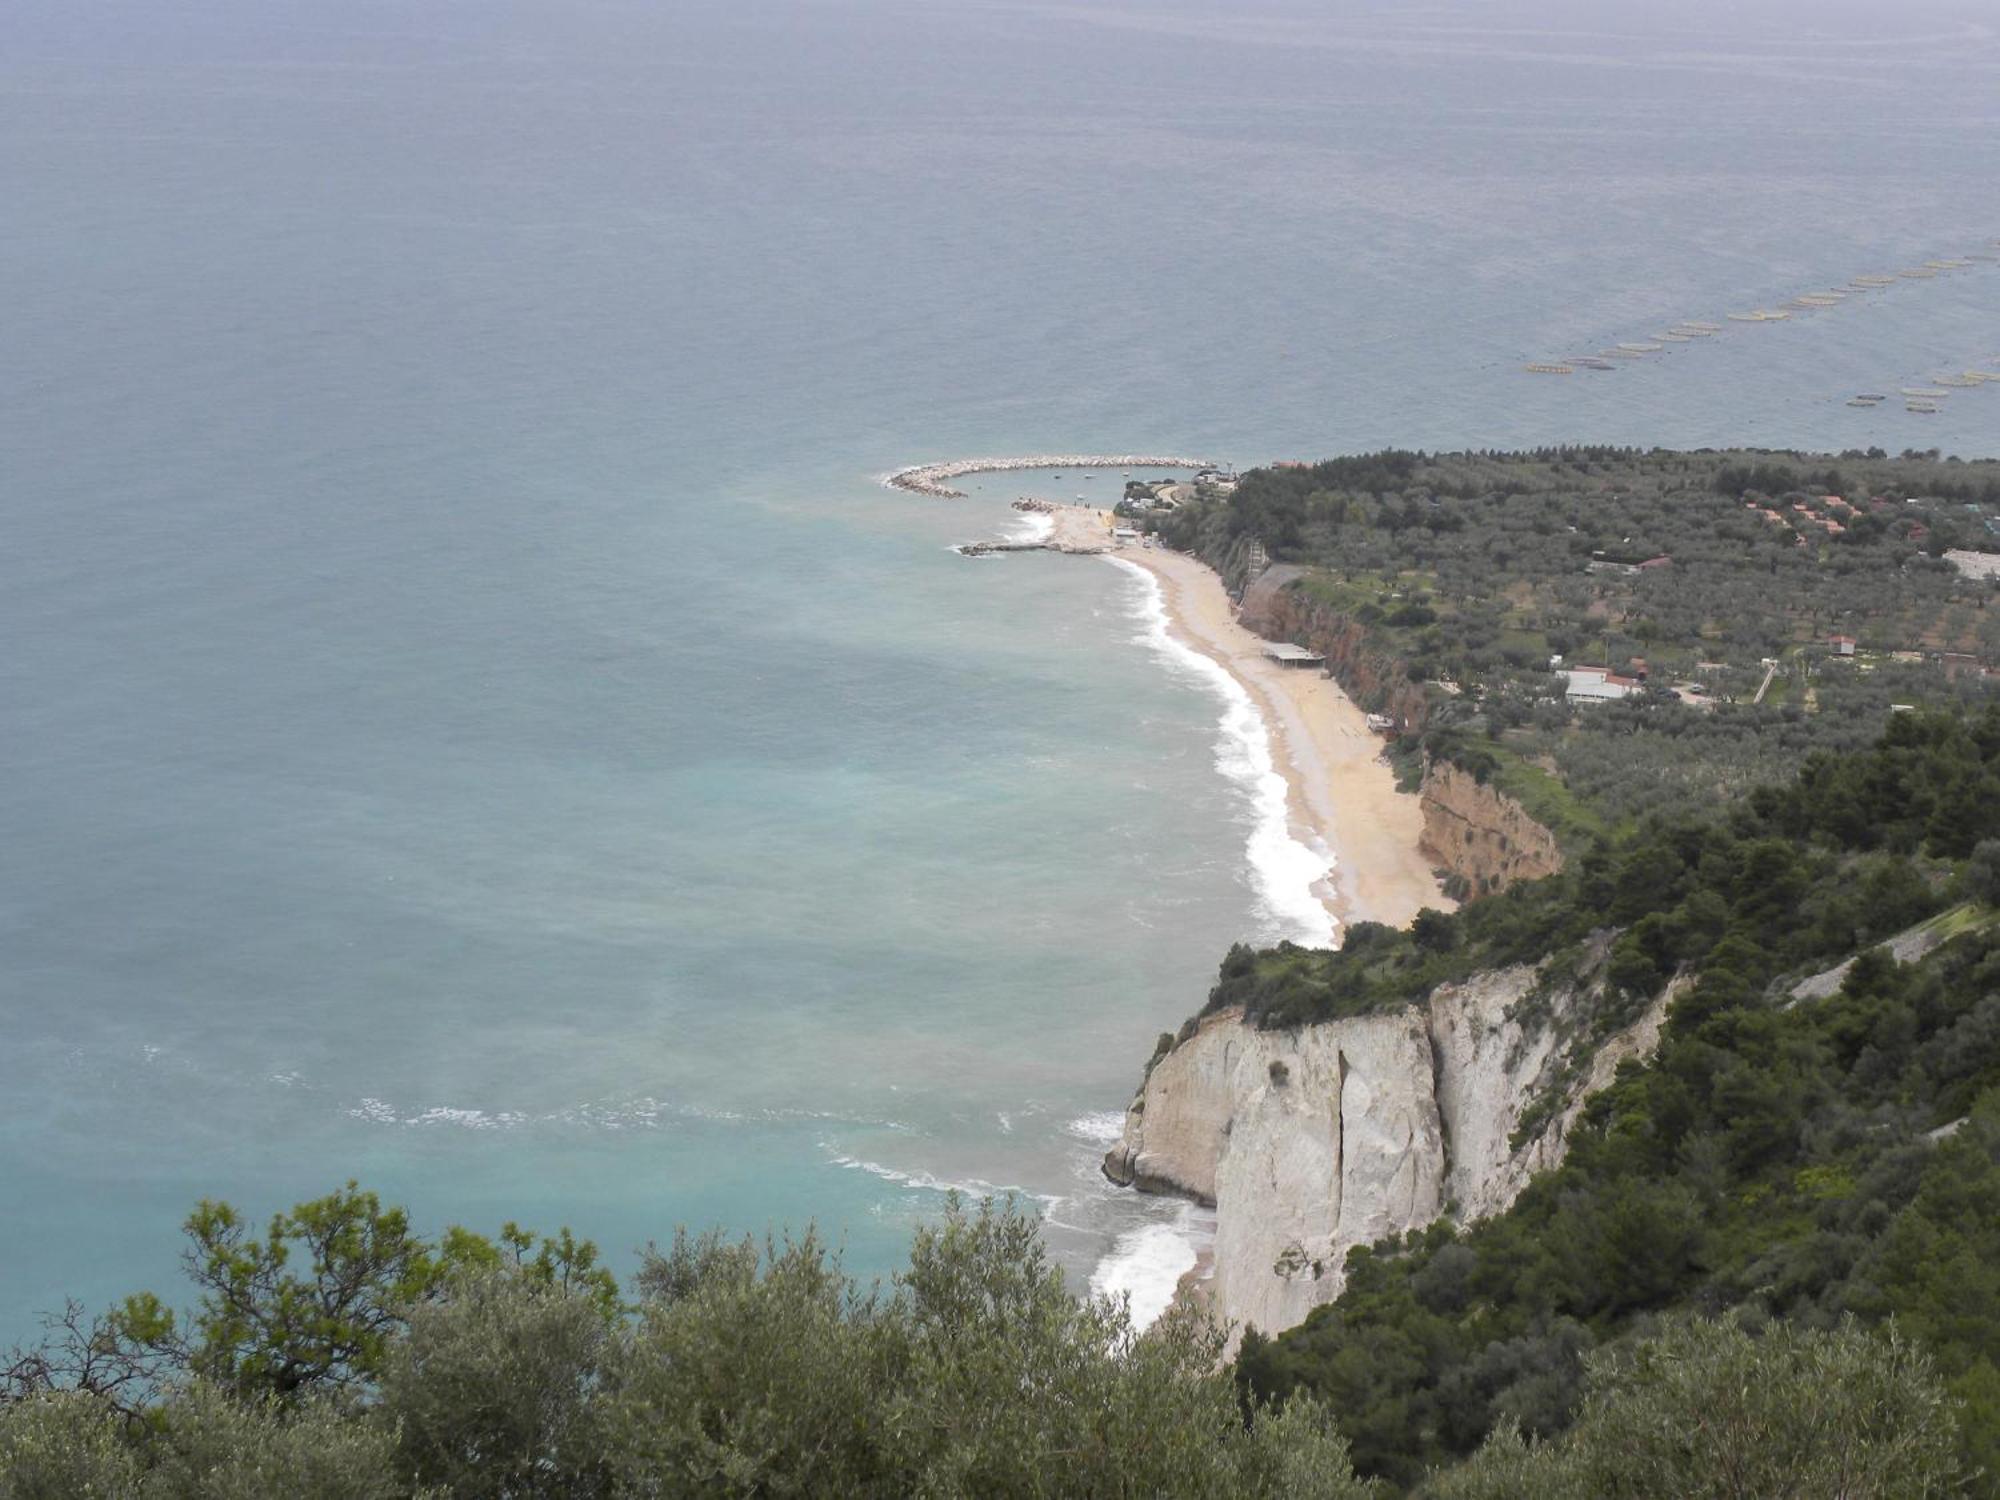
984	549
935	479
1082	529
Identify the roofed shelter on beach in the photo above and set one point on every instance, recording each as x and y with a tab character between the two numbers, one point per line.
1285	654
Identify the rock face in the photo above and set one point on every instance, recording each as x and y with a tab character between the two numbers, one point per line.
1474	831
1372	677
1312	1141
1470	830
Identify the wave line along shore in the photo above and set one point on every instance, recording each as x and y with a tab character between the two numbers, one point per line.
932	479
1341	794
1347	843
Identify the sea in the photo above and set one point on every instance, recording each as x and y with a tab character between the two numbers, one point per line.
473	721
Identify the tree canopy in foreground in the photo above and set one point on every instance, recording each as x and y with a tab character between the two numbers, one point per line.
343	1356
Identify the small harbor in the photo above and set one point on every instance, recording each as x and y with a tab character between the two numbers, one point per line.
935	479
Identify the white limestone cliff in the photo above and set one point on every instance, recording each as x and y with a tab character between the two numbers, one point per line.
1311	1141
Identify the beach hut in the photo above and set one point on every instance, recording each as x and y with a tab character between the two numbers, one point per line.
1286	655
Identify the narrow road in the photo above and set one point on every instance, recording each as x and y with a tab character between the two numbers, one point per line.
1765	686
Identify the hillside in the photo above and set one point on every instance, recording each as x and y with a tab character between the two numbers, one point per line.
1453	593
1785	758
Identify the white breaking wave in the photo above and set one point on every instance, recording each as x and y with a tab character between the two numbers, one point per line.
380	1112
1146	1265
467	1119
972	1187
1283	871
1030	526
642	1113
1100	1127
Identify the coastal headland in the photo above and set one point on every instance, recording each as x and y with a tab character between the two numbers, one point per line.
1341	793
934	479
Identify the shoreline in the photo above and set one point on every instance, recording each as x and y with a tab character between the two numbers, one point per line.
1341	810
1341	799
1341	794
1341	802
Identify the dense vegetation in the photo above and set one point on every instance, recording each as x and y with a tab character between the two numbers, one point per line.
1705	1412
341	1357
1796	1160
1855	848
1797	1165
1472	570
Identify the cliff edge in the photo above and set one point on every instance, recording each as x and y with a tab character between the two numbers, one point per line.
1311	1141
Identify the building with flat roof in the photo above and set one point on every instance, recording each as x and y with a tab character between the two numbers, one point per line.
1599	685
1285	654
1973	564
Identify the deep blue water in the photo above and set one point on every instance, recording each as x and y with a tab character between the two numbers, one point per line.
472	721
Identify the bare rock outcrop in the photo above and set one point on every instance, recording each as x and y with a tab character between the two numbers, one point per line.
1475	831
1374	678
1311	1141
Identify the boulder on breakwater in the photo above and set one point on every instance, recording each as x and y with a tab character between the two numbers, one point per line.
934	479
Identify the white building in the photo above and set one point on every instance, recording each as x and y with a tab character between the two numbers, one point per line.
1599	685
1974	564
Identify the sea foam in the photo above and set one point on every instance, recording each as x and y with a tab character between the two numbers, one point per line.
1101	1127
1283	870
972	1187
1030	526
1146	1265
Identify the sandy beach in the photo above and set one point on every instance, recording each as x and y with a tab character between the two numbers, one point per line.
1343	793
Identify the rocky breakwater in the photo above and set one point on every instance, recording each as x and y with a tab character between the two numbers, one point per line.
1079	529
935	479
1313	1140
1484	837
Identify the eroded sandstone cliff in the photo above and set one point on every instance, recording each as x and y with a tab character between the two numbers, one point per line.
1471	829
1312	1141
1474	831
1375	678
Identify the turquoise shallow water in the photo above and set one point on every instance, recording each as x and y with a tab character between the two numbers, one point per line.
474	722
